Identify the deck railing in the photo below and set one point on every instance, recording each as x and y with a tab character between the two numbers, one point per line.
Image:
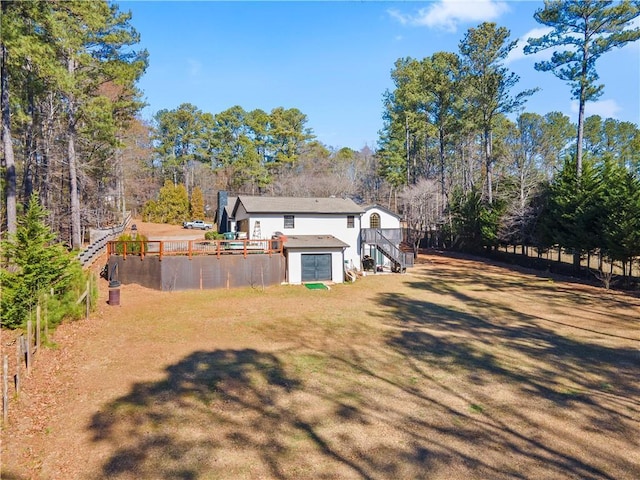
387	241
190	248
93	251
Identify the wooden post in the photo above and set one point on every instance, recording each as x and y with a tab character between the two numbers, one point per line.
29	343
5	389
88	299
18	364
46	317
38	324
23	350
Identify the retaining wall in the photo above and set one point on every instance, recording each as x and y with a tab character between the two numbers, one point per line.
199	272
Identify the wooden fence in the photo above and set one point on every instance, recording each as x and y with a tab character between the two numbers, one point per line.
27	346
589	261
593	265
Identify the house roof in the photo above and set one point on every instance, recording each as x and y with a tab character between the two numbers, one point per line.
231	203
290	205
380	207
228	208
313	241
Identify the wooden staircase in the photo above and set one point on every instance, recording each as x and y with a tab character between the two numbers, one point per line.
400	260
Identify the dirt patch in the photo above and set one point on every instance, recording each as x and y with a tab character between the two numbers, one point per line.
457	369
161	231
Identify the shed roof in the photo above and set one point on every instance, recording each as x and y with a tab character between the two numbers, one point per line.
313	241
289	205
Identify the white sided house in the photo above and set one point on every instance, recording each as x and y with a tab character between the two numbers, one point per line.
323	237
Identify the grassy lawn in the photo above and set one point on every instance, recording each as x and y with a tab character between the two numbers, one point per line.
457	369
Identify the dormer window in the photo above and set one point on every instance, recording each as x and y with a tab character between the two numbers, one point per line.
374	220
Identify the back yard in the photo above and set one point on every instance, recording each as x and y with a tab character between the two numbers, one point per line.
458	369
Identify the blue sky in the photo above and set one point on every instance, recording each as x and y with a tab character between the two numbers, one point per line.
332	60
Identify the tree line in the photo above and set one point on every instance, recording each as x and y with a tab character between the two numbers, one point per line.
458	156
69	73
475	170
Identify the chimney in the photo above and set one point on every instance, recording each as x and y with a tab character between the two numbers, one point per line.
223	199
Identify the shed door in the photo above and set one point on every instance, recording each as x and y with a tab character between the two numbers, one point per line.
316	267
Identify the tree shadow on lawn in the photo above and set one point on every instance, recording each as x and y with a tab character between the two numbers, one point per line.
441	278
579	281
242	414
182	426
353	412
491	346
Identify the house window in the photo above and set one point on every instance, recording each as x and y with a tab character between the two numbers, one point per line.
351	222
374	221
289	221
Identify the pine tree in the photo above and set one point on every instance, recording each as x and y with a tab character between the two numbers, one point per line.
488	83
585	29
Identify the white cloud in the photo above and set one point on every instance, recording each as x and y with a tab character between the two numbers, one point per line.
448	14
399	16
518	52
604	108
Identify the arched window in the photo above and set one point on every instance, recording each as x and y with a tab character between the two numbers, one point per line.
374	221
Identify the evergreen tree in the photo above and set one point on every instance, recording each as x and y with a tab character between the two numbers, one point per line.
33	265
92	41
475	221
27	56
585	30
179	136
573	216
171	207
487	84
621	205
197	204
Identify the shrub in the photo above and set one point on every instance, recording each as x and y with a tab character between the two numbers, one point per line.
62	305
134	247
210	235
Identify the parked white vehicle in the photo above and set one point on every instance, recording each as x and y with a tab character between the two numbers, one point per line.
197	224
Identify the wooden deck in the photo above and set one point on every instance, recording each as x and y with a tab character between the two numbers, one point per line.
194	247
